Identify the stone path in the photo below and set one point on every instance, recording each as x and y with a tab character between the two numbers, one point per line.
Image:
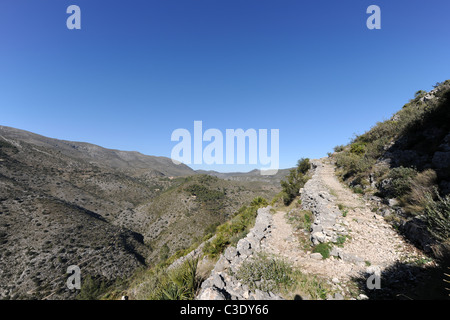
372	240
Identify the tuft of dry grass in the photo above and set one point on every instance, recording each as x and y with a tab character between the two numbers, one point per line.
422	184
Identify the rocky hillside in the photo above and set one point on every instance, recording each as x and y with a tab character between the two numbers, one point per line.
404	164
108	211
131	162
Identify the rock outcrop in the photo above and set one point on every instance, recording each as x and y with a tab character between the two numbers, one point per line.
327	226
221	284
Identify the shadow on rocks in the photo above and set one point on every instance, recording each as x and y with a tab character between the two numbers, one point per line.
409	281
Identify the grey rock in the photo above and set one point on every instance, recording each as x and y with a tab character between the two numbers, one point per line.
243	247
416	231
230	253
317	237
218	281
393	202
338	296
221	264
316	256
350	258
363	297
211	294
335	251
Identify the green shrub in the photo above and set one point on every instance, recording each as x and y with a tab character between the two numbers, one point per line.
400	181
301	220
230	232
259	202
216	246
358	190
164	252
307	220
295	180
341	240
180	283
91	288
211	229
354	164
303	165
358	148
323	249
278	197
205	194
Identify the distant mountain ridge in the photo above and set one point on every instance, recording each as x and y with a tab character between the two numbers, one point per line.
134	161
122	160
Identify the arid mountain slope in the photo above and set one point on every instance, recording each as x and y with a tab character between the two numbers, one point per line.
108	211
132	162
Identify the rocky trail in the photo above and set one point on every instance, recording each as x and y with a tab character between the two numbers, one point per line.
370	246
361	242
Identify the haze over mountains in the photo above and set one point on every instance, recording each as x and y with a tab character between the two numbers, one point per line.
68	203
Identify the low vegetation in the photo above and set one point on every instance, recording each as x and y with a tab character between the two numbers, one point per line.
323	249
301	221
235	229
269	273
295	180
437	213
159	283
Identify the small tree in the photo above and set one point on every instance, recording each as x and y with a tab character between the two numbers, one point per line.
419	93
295	180
91	289
259	202
164	252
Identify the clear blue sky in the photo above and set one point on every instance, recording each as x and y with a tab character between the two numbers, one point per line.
139	69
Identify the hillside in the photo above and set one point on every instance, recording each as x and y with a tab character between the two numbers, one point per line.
254	175
131	162
108	211
404	165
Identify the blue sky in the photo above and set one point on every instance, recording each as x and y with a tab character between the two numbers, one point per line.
137	70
